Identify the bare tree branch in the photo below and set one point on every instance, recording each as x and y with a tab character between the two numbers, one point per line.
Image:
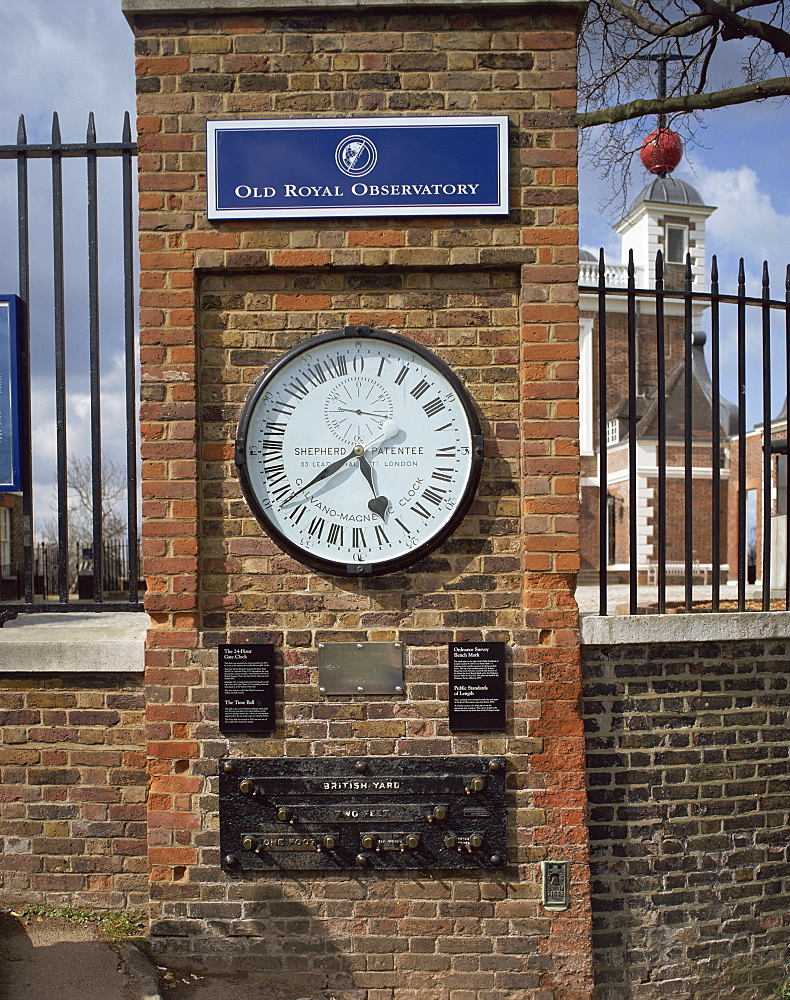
777	87
79	474
743	27
687	26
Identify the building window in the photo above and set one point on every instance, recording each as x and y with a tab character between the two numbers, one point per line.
676	244
612	431
5	539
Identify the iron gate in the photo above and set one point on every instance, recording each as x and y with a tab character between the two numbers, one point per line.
92	152
616	284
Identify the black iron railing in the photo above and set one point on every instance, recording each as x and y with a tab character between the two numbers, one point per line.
81	568
91	151
641	307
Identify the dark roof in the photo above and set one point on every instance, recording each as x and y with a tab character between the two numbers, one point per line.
669	191
675	405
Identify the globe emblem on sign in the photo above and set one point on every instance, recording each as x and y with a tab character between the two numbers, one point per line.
356	156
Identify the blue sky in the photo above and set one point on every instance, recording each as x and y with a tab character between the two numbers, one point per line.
75	57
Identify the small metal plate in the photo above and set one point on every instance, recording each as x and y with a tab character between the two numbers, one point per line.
556	885
268	842
360	668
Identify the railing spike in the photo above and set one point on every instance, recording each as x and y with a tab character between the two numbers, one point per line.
787	278
741	272
766	281
631	269
659	266
127	128
55	129
21	132
91	127
714	269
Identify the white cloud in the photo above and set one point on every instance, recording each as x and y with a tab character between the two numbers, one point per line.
746	223
67	57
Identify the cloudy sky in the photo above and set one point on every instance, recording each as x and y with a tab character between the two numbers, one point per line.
76	56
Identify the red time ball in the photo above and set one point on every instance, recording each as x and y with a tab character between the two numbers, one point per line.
661	151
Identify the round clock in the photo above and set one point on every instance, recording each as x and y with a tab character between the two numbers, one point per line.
359	451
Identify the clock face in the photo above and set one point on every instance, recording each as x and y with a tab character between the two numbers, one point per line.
358	451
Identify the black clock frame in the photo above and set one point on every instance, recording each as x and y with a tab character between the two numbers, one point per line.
413	555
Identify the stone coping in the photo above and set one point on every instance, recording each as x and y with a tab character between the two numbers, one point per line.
612	630
74	643
132	7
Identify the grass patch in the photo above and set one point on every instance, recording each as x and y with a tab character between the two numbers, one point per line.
116	925
783	991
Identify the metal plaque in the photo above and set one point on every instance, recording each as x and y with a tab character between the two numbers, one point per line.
360	668
347	167
287	841
374	813
355	813
556	885
246	688
477	686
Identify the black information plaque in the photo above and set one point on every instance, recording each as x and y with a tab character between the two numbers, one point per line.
246	688
477	685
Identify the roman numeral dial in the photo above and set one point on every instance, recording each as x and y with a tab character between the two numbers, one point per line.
358	451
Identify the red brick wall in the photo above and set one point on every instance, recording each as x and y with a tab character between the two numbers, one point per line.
496	298
72	791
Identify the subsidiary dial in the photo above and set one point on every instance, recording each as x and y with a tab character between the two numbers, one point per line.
356	408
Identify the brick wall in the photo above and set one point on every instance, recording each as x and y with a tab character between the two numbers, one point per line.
72	791
617	354
689	818
753	467
701	519
497	299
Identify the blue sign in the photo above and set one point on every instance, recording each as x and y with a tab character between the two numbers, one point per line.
10	317
338	167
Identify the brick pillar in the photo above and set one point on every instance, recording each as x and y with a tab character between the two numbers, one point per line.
496	298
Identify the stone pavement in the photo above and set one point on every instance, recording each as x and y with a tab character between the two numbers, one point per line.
52	958
56	959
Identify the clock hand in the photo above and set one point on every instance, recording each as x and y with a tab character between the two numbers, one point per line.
388	429
325	473
378	504
359	413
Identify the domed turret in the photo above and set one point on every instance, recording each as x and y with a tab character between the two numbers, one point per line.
668	191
